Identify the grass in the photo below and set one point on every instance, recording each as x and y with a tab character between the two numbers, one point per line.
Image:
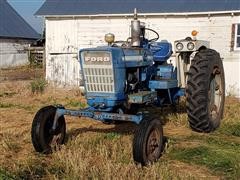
20	106
9	143
111	136
231	129
7	94
6	175
94	150
74	103
215	159
214	153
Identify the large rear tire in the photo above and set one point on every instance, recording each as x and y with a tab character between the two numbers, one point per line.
205	91
43	137
148	142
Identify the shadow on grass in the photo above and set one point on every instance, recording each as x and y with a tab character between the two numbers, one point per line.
123	128
126	128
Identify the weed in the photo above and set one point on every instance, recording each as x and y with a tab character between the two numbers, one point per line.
38	86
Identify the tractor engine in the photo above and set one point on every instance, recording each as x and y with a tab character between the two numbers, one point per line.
111	73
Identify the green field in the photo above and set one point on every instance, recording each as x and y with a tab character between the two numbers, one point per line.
94	150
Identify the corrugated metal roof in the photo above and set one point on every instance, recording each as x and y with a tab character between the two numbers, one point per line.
12	25
94	7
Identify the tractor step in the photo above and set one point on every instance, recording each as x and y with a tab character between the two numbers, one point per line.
142	97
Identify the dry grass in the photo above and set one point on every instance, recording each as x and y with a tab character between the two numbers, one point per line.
97	151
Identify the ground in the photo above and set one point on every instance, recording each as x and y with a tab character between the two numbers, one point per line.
94	150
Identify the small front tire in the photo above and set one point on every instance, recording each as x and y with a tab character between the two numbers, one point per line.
43	138
148	142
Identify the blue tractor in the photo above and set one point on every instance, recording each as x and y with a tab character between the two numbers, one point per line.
125	76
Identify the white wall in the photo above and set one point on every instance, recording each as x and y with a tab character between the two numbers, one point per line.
64	37
13	53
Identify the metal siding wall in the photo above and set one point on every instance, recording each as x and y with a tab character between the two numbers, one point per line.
63	70
91	32
13	53
61	36
232	77
71	35
62	66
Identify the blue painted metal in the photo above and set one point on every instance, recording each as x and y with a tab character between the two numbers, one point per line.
127	58
142	97
180	92
165	71
94	7
106	101
100	116
163	84
121	59
140	75
161	51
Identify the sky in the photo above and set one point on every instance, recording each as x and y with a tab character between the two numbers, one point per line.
27	9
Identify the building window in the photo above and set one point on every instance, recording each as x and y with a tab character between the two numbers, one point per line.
237	37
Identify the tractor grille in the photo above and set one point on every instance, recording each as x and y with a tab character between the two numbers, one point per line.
98	71
99	79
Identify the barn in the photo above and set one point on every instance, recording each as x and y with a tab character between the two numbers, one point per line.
15	36
72	25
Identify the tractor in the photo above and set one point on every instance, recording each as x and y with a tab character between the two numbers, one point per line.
123	76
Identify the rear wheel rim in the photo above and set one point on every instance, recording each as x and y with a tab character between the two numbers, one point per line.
215	94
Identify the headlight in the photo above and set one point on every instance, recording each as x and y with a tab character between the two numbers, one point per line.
179	46
190	46
109	38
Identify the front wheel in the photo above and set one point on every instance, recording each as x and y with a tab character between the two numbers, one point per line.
43	137
148	142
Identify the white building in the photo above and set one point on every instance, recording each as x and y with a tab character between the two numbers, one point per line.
72	25
15	36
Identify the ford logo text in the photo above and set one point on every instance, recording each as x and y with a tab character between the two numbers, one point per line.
97	59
